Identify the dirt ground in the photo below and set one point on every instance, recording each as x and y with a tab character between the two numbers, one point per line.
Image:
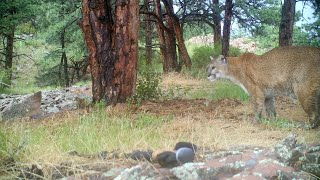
219	124
229	121
210	124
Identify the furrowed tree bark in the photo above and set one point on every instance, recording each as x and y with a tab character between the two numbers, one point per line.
217	24
287	22
226	27
97	28
148	33
9	56
126	47
112	47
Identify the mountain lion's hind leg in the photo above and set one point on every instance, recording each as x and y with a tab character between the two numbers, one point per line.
314	119
310	102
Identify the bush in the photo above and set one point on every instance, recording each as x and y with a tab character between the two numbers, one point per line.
147	86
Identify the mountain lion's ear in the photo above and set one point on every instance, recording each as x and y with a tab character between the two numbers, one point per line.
222	59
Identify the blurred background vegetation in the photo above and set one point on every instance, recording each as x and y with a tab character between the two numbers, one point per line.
49	51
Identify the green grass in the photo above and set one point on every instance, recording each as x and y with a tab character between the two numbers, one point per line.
89	133
219	90
279	123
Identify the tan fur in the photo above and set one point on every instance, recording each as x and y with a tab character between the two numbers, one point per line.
283	71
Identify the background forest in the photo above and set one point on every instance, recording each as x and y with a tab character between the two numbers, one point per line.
42	43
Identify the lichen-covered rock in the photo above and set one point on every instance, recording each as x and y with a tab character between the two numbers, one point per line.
194	171
144	171
301	156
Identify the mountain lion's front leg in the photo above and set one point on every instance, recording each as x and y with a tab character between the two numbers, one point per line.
270	108
258	102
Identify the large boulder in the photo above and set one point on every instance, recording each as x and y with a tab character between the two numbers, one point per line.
24	107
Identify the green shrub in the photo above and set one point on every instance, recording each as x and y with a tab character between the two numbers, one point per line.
201	56
147	86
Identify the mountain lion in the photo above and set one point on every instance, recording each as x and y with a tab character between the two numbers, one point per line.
283	71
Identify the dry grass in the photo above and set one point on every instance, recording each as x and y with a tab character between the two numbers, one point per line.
214	124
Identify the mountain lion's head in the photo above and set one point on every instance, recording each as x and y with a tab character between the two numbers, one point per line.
217	68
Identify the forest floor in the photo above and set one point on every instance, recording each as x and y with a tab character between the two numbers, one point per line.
212	123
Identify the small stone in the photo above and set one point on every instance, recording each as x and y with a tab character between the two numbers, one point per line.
185	155
141	155
167	159
186	145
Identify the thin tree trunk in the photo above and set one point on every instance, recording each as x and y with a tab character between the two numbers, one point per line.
9	56
160	32
97	29
148	33
174	20
126	47
65	68
170	63
217	24
287	22
64	60
181	45
226	27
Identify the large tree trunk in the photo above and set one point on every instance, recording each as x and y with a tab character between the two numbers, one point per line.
287	22
9	56
126	47
226	27
112	47
217	24
97	29
148	33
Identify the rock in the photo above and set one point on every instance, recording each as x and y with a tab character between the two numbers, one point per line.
145	171
141	155
194	171
52	110
30	105
185	155
113	173
186	145
245	164
167	159
301	156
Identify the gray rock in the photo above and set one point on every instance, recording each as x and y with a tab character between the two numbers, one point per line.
52	110
194	171
23	107
112	173
145	171
185	155
142	171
